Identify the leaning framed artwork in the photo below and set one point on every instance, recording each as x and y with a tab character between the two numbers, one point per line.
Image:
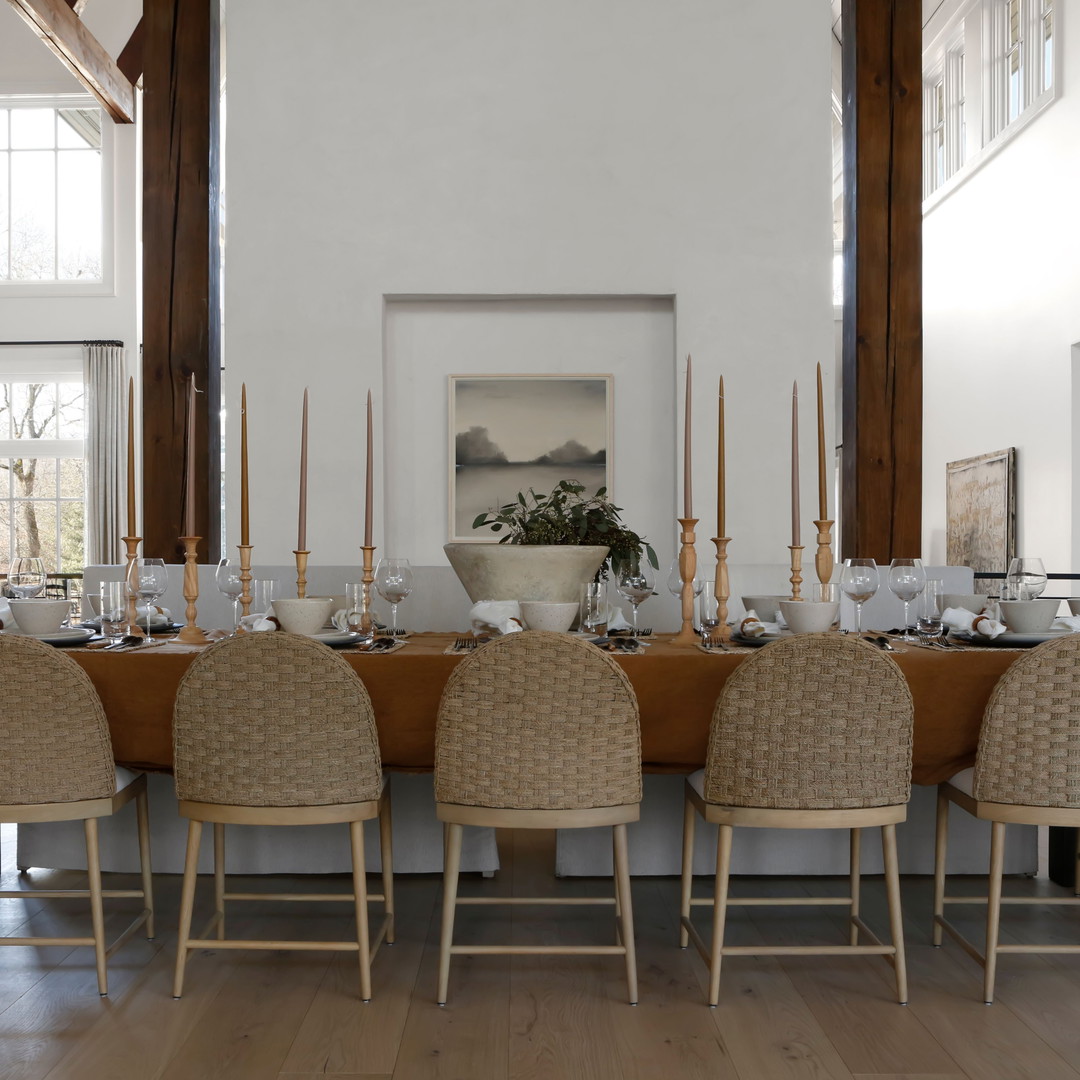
980	501
510	433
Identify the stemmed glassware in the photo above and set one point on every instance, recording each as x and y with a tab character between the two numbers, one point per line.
227	578
1026	578
26	577
149	578
635	583
907	579
675	582
860	580
394	582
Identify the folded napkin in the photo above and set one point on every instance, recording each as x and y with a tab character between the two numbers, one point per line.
261	622
615	619
967	622
1067	622
751	626
503	616
6	618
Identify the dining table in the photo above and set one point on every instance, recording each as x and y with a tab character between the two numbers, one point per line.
676	687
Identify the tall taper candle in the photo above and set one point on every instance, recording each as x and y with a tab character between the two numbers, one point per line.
301	532
367	485
131	458
721	484
244	520
688	501
823	502
795	465
189	486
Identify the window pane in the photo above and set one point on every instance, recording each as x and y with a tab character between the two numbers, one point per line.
33	227
78	215
4	235
4	113
5	416
1048	45
35	478
5	526
78	128
35	530
72	554
34	410
33	129
71	422
72	478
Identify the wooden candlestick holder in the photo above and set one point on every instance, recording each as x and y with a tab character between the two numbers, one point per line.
245	583
367	621
134	630
721	589
796	571
301	573
687	571
823	561
190	633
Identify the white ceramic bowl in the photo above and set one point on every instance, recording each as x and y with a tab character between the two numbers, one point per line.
40	616
808	616
1029	616
766	607
1074	605
307	616
541	615
975	602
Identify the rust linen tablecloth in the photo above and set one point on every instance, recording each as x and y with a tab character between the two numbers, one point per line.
676	688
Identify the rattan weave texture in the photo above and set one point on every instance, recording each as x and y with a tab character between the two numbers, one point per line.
1029	745
274	719
818	721
54	738
541	721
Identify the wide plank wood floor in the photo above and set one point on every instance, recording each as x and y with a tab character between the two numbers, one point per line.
297	1016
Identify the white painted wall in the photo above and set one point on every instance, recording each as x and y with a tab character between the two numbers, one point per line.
534	149
1001	314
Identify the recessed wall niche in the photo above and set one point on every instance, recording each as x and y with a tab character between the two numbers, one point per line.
426	339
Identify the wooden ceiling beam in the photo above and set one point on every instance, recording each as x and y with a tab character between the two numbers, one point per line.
81	53
130	60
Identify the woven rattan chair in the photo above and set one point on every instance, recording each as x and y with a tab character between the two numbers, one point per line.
56	764
538	731
1026	772
275	729
813	732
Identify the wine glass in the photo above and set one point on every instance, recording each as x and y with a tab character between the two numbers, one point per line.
227	578
26	577
394	582
1026	577
906	580
675	581
149	578
635	583
860	580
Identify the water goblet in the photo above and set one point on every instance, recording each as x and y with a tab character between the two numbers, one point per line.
906	581
26	577
355	601
675	581
114	610
263	593
227	579
148	579
928	622
594	607
635	583
860	580
1027	578
394	582
708	612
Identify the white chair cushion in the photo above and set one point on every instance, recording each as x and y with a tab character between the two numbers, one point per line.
963	780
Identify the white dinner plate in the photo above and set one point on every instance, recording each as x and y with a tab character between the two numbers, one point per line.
66	635
1009	640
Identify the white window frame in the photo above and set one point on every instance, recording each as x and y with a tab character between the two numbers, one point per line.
977	29
107	285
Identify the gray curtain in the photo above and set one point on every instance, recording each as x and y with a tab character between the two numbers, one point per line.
106	453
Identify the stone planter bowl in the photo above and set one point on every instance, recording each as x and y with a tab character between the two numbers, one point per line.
550	572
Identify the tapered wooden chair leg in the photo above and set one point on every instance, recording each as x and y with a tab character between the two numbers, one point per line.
451	872
993	907
187	903
142	817
97	913
359	875
896	917
386	850
720	904
626	909
219	878
855	870
941	844
687	881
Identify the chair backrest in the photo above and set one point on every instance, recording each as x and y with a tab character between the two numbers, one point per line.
54	738
540	721
1029	745
274	719
816	721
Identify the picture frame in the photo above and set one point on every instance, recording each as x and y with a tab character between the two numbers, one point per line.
980	502
510	433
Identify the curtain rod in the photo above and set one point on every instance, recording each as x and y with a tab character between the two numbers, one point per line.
118	344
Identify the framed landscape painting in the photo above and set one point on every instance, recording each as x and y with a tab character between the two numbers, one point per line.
980	502
509	433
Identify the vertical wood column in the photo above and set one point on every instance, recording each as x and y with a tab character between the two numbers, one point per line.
881	491
181	324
